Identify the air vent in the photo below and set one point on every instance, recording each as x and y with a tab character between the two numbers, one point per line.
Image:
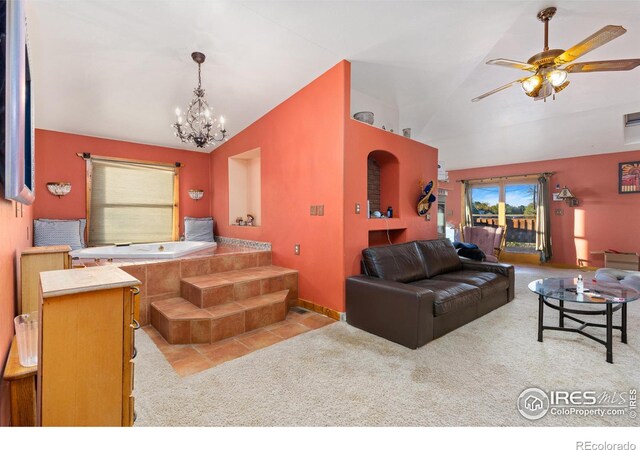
632	119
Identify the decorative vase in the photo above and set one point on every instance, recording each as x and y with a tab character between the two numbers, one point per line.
364	116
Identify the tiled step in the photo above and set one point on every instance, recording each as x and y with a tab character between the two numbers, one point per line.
181	322
206	291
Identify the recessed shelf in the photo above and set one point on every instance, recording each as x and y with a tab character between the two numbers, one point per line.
395	223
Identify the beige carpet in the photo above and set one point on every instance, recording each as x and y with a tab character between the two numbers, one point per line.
341	376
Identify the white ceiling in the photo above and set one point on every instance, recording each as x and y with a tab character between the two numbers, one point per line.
118	68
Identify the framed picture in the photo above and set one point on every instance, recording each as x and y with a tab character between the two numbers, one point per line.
629	177
18	131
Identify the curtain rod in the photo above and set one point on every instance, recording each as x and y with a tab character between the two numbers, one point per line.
545	174
86	156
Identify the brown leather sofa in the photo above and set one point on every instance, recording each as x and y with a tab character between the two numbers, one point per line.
415	292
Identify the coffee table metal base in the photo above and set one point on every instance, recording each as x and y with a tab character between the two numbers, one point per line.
565	313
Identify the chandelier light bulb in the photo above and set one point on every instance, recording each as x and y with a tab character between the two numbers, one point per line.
557	77
178	112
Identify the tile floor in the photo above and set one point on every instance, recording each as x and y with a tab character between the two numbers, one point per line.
190	359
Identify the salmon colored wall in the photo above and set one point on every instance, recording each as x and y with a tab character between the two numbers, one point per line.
56	160
416	161
603	220
16	235
301	142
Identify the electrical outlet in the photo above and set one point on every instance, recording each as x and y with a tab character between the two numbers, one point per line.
357	208
428	217
343	317
314	210
296	249
321	210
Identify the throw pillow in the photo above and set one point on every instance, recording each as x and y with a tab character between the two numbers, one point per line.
59	232
199	229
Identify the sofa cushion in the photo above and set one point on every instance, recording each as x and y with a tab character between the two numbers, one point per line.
450	296
439	256
399	262
488	282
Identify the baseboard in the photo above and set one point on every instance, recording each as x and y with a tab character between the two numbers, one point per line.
569	266
318	308
522	258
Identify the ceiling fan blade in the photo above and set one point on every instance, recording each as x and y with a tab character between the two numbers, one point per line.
597	39
513	64
501	88
603	66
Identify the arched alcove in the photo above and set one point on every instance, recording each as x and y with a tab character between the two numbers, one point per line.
383	181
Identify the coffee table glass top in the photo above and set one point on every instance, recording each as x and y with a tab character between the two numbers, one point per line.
595	292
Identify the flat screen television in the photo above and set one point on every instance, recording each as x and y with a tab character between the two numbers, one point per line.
17	132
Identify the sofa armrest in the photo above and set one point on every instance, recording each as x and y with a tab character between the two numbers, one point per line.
501	269
399	312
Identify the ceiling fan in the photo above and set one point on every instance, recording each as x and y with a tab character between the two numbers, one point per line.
548	67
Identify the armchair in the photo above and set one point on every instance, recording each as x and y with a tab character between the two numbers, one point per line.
488	239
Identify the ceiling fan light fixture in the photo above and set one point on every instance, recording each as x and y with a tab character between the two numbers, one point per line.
532	84
557	77
561	87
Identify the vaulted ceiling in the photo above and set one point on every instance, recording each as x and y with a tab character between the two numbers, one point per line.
118	69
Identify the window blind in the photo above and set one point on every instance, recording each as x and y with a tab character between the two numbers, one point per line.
131	202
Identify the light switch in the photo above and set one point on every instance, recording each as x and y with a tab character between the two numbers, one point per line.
321	210
314	210
559	212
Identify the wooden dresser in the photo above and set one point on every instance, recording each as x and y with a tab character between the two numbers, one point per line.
87	346
34	260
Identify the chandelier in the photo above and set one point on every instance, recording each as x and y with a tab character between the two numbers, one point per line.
198	126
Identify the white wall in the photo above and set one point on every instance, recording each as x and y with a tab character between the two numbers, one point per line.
384	114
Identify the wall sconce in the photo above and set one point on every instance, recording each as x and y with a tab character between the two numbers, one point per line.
566	195
196	194
59	188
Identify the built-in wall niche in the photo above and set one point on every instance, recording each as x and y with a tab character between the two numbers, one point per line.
386	237
245	187
383	171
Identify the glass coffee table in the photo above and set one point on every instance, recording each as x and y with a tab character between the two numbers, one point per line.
601	299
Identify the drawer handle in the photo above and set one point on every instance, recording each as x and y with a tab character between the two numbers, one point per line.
134	353
135	290
135	325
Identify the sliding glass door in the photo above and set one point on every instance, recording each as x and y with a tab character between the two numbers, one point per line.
508	203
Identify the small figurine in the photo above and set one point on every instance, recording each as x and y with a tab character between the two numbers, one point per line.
250	220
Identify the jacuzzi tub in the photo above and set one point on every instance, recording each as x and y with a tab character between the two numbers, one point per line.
161	250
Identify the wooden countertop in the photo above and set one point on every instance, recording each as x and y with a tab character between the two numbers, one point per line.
46	249
13	370
56	283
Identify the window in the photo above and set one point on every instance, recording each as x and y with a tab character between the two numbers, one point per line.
509	203
520	212
484	210
131	202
